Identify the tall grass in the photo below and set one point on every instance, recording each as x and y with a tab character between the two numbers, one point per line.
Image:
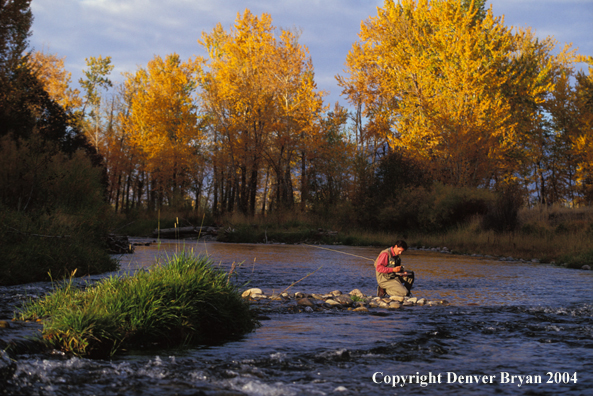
185	301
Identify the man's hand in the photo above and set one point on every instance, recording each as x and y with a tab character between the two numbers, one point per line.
397	269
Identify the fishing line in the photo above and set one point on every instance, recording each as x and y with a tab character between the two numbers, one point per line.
337	251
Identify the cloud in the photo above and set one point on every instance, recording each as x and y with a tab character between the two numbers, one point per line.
133	31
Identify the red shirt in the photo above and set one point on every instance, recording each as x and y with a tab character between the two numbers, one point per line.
383	261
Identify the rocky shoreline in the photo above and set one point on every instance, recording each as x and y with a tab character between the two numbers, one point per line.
355	301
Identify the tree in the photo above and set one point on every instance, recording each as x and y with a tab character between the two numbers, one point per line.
15	24
437	79
260	96
55	79
163	125
95	80
584	141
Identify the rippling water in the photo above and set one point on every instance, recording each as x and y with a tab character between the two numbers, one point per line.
521	319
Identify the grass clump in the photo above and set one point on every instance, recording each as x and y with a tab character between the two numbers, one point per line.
186	301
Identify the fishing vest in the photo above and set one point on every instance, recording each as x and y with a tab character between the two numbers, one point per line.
393	261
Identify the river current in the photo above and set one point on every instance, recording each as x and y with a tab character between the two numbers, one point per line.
510	328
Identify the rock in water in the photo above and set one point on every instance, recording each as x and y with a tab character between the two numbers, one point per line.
249	292
344	300
305	302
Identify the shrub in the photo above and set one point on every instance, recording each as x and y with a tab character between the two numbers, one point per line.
185	301
579	259
503	213
52	214
449	206
436	209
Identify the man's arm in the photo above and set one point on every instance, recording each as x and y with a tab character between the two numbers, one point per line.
382	262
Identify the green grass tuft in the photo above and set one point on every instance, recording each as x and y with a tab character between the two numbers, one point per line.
185	301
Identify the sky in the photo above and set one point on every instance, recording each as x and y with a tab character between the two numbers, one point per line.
132	32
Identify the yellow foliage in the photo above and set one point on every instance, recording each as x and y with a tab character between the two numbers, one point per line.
261	99
50	71
162	121
446	83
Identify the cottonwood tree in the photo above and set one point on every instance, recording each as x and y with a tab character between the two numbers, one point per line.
95	81
163	125
584	141
440	79
56	80
260	96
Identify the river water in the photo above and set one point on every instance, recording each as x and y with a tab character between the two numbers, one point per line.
510	328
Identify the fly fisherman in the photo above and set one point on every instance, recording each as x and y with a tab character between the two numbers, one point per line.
391	276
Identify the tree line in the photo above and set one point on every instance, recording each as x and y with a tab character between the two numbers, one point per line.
438	92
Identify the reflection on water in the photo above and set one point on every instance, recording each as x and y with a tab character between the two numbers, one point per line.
529	320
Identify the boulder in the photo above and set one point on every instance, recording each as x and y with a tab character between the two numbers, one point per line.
394	305
306	302
396	298
332	302
336	293
360	309
586	267
357	293
344	300
247	293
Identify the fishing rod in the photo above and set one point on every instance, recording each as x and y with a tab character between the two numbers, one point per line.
405	273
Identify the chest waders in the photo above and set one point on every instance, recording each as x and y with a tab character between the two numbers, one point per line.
405	277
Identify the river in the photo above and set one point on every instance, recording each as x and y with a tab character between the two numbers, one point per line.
510	328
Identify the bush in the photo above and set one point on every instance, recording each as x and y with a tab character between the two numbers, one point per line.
503	213
437	209
579	259
52	214
183	302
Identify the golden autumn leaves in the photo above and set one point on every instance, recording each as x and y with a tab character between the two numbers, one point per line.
452	86
475	102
